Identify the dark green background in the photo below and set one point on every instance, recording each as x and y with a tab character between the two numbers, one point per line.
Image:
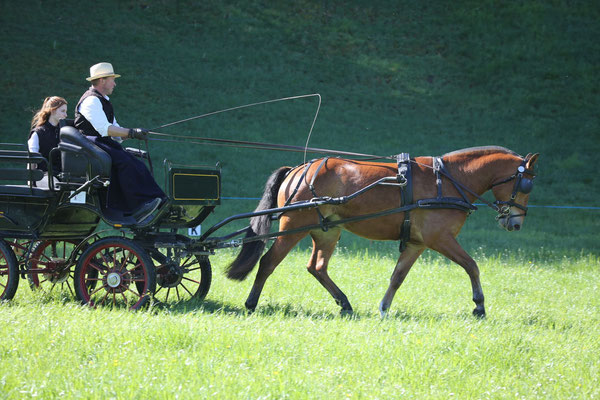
394	76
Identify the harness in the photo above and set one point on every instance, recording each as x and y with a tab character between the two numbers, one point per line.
404	179
311	186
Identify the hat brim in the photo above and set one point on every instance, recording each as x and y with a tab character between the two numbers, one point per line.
93	78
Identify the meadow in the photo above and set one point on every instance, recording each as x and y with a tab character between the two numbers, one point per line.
394	76
539	340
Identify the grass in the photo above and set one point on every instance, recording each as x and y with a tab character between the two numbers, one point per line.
540	339
423	77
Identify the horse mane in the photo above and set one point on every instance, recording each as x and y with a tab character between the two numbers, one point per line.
483	150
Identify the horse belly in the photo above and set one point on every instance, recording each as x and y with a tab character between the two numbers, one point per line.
380	228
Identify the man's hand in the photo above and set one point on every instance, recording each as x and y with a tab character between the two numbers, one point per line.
138	133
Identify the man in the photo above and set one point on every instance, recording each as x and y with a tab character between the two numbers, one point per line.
132	188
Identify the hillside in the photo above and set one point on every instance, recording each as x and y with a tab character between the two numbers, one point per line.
423	77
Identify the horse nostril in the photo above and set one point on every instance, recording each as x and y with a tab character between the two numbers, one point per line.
517	227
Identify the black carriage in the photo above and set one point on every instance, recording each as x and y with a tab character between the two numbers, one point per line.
50	235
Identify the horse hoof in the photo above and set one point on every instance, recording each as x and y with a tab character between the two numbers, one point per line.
479	313
346	312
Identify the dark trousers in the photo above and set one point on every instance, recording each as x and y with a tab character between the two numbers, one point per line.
131	183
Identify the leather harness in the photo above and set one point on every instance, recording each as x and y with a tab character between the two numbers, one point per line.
404	178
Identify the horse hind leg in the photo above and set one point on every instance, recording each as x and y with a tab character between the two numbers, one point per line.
272	258
403	266
323	246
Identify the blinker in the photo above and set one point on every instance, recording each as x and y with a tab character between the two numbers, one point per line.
525	185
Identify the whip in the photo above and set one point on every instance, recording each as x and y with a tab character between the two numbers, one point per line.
256	145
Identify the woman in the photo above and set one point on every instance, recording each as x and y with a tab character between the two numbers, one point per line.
45	130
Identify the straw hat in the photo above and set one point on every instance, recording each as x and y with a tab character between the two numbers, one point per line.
101	70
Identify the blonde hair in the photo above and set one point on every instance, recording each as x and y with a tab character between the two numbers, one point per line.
43	114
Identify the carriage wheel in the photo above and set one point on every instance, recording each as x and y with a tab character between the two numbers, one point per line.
20	248
188	279
9	272
48	267
115	271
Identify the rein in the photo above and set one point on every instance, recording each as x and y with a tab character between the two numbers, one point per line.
260	145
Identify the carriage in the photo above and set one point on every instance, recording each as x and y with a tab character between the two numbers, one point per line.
50	235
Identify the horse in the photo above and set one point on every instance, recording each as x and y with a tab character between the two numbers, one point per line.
468	173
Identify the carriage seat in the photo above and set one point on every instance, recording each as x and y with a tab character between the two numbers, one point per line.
78	154
21	174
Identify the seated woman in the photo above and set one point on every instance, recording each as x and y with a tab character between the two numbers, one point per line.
44	135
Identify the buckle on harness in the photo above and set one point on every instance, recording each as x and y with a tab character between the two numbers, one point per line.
403	161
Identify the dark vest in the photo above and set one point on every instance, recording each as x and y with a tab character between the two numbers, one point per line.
48	138
82	123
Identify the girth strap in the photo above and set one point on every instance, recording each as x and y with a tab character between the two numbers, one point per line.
406	194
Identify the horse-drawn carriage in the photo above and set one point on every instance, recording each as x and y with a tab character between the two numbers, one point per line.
50	235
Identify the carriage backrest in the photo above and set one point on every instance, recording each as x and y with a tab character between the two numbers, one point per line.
12	157
78	154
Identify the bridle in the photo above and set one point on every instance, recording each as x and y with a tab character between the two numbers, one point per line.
522	185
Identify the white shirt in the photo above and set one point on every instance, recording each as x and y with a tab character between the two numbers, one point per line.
34	143
91	109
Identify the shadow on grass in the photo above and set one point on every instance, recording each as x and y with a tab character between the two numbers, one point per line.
292	311
272	309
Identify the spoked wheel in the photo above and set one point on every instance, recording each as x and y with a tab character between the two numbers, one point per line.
115	271
181	278
48	268
20	248
9	272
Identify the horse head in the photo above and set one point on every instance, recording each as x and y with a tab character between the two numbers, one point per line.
512	194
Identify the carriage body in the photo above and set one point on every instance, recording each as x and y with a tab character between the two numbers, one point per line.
66	215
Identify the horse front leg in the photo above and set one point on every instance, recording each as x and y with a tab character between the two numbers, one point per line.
449	247
404	264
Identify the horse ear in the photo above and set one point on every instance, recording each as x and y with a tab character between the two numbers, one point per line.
531	160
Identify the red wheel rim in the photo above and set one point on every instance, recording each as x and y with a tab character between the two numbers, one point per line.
4	274
48	265
112	274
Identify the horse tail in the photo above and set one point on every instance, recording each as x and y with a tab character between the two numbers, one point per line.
259	225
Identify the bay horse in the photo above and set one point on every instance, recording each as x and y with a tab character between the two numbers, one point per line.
468	173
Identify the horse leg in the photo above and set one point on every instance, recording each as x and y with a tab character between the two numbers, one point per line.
323	246
268	263
449	247
404	264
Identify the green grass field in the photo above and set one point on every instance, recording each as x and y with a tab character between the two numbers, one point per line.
394	76
540	339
